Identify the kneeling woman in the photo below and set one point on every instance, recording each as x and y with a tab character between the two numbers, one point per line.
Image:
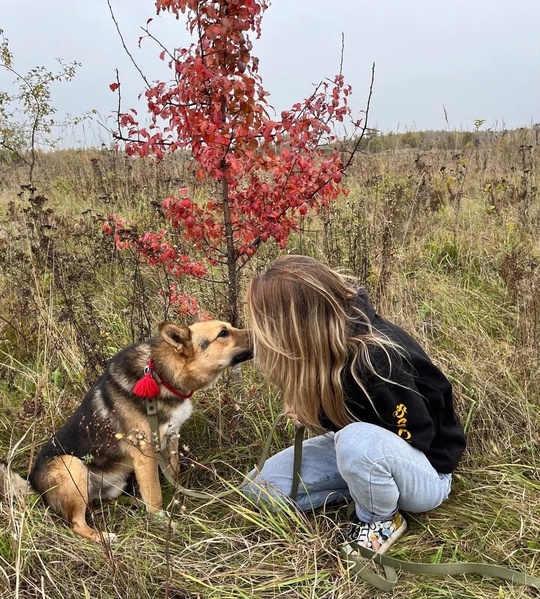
388	436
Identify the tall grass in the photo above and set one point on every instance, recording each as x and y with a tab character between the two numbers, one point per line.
444	236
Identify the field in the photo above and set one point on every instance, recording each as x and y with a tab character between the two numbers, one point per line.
443	230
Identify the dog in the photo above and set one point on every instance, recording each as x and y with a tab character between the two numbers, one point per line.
109	437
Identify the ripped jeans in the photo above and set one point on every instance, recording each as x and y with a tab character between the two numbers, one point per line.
376	468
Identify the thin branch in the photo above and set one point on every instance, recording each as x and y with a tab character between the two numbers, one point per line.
155	40
365	124
13	150
125	46
342	53
119	106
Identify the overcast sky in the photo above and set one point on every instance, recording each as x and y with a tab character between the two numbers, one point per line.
480	59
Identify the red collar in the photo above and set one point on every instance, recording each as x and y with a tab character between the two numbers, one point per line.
165	383
148	386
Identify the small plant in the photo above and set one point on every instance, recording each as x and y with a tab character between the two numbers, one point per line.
27	117
478	124
88	459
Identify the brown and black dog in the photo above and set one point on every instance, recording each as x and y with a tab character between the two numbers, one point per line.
109	436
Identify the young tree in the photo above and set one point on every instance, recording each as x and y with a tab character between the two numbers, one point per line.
267	172
27	116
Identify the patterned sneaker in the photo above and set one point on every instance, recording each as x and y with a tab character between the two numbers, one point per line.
380	535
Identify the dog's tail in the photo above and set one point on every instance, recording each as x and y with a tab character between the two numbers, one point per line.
11	484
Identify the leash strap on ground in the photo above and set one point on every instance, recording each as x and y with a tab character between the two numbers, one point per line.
391	566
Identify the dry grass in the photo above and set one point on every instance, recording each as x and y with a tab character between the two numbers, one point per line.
447	242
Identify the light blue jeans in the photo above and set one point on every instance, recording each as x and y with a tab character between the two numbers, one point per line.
376	468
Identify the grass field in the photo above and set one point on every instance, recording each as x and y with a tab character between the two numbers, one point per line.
445	236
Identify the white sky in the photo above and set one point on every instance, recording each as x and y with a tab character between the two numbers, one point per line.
478	58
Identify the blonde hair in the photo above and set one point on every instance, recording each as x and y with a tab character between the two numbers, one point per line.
302	314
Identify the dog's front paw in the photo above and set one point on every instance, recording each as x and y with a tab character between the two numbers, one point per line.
100	536
165	517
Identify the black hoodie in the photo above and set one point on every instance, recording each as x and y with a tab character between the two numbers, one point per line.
415	401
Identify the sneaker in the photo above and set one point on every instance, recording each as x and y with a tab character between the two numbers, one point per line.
378	536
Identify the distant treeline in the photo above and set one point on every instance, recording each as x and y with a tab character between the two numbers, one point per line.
374	141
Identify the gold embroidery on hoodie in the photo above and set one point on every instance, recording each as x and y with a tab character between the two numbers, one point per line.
401	423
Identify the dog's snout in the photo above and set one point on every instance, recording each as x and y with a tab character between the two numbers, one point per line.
243	356
245	353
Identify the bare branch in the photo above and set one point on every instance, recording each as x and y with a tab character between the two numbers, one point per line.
125	46
364	125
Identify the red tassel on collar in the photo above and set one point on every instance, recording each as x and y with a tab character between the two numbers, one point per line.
148	387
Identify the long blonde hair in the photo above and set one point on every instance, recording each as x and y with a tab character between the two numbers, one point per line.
301	313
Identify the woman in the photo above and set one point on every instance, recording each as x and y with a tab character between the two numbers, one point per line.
388	436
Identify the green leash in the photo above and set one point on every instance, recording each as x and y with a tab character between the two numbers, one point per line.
391	565
359	562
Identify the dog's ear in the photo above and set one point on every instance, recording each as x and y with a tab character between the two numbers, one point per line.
176	336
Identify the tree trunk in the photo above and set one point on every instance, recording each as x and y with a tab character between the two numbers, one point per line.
232	270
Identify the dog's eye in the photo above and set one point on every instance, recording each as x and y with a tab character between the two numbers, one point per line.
223	333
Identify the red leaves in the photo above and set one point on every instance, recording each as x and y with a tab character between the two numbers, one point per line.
114	86
183	303
267	129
